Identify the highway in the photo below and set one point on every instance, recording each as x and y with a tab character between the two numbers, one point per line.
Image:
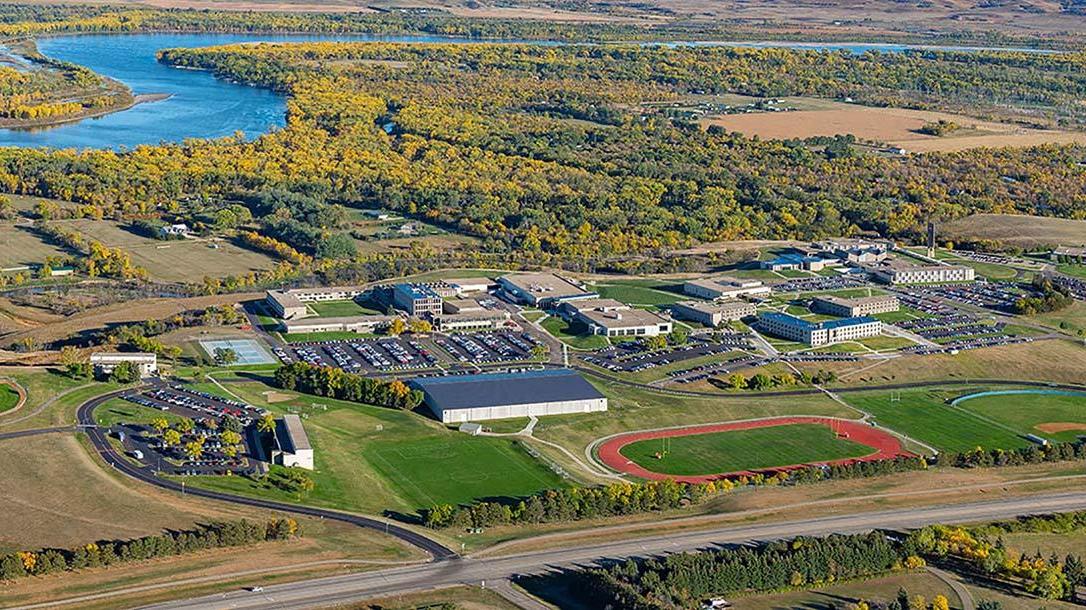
330	591
100	442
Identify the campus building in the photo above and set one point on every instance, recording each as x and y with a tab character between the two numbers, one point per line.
543	290
851	308
292	448
462	398
290	304
613	318
897	272
712	314
479	319
471	285
820	333
357	324
721	288
416	300
103	363
1068	254
855	251
789	262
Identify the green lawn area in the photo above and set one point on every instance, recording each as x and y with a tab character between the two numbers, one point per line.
1064	415
924	415
573	336
371	459
738	450
901	315
1073	270
637	294
883	342
118	411
991	271
837	595
8	398
331	335
341	309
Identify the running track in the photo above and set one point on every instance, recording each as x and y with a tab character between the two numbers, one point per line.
885	445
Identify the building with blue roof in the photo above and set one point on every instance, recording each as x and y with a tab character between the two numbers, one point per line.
463	398
791	261
416	299
816	334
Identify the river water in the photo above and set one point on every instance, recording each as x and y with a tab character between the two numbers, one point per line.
201	106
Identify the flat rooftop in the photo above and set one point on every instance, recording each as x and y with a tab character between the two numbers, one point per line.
543	284
711	307
499	389
623	318
290	434
801	323
852	302
415	291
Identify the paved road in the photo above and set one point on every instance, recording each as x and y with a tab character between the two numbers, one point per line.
100	442
325	592
36	431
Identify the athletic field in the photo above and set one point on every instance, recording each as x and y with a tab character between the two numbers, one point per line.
1051	414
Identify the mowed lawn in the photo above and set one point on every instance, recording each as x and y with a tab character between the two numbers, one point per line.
738	450
925	415
341	309
8	398
1056	417
638	294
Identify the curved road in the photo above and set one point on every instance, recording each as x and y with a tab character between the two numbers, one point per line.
100	442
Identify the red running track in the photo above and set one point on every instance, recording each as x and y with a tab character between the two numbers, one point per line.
883	444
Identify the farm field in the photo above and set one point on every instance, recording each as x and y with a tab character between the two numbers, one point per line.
895	126
742	450
176	260
22	247
1018	230
1057	417
372	459
924	415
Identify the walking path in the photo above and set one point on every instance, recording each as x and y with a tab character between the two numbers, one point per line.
959	589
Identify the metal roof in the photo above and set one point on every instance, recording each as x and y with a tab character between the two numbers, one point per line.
499	389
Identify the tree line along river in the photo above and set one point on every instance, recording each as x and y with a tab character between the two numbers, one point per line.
199	105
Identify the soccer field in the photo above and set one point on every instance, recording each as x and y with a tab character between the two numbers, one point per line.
1057	416
429	471
739	450
925	415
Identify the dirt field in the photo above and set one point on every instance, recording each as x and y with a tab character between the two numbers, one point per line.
1024	231
894	126
176	260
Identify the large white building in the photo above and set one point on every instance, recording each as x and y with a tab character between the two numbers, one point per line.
480	319
713	314
357	324
541	289
292	448
851	308
721	288
821	333
290	304
463	398
416	299
103	363
613	318
896	272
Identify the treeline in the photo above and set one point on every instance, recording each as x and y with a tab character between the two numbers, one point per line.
685	580
1051	297
339	384
97	260
107	553
1019	456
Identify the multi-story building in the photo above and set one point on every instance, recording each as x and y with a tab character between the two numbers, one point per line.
290	304
613	318
543	290
712	314
356	324
855	251
851	308
416	300
820	333
479	319
720	288
898	272
807	262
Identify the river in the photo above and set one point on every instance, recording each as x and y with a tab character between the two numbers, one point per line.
201	106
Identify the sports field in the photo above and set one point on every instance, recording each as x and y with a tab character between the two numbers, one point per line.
1055	416
925	415
459	469
742	450
248	351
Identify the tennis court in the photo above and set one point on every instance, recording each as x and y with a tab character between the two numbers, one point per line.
249	351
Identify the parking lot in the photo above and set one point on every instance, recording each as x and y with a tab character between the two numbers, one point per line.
210	414
989	295
391	354
817	284
634	356
958	332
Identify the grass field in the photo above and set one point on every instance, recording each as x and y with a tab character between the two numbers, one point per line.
117	411
1018	230
650	293
924	415
23	247
175	260
371	459
329	335
834	596
341	309
1053	416
572	336
739	450
895	126
8	398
